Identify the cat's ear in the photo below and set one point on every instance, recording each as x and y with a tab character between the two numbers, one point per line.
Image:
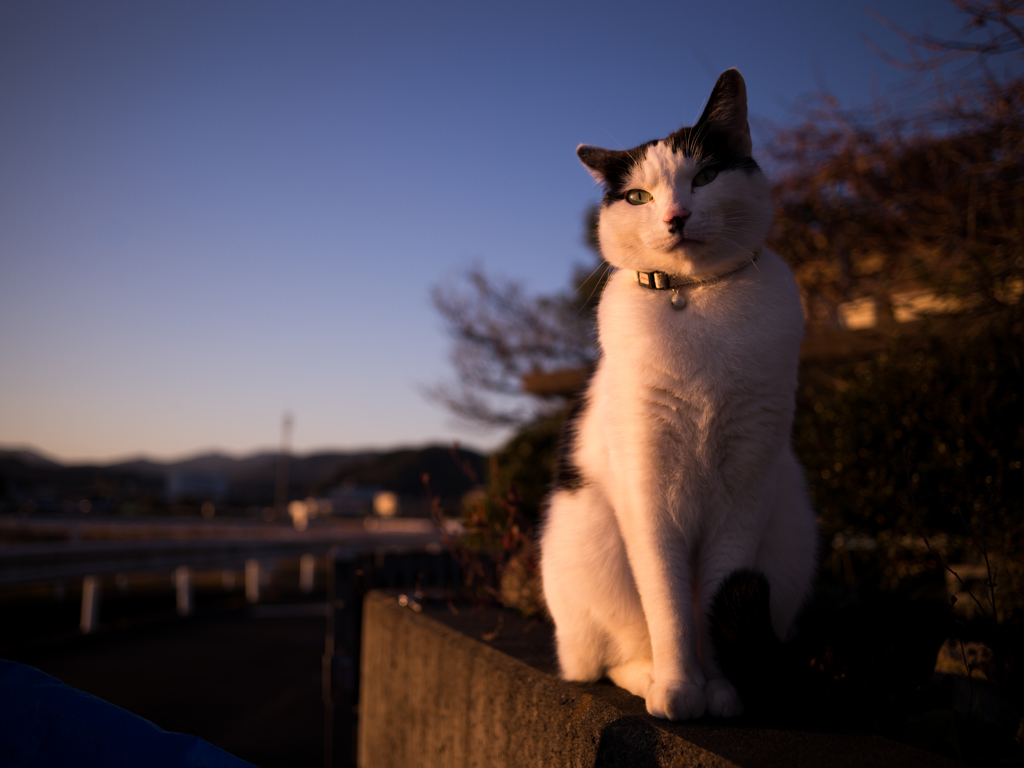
605	165
726	112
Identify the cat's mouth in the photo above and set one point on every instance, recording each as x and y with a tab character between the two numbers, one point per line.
683	240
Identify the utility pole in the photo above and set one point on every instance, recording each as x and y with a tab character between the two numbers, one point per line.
281	491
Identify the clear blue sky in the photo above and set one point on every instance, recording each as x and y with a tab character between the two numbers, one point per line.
213	212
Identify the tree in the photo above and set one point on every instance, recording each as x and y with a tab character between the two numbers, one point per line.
502	335
929	198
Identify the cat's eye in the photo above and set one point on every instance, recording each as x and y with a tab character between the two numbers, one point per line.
704	177
639	196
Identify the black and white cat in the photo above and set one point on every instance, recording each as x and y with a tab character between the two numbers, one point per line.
677	466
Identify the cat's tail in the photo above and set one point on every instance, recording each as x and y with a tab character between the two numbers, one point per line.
761	667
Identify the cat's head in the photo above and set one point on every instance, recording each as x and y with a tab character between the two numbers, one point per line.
688	203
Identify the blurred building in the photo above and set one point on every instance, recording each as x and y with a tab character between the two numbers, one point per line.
195	485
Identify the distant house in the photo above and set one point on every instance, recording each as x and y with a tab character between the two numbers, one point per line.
347	499
907	307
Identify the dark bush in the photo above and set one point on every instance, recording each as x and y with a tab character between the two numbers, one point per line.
924	439
948	408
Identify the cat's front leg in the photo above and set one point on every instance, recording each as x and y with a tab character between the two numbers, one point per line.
677	699
662	569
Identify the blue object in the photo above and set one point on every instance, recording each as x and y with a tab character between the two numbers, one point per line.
46	723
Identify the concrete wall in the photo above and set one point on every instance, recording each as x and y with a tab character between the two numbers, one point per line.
452	687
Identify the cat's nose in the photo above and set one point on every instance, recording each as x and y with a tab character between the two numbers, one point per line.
676	219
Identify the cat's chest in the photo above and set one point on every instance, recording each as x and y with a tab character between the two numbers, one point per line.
721	332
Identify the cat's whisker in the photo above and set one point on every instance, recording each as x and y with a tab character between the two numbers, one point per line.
607	269
739	245
593	272
627	258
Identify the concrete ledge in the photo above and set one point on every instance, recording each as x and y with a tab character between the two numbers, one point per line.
476	688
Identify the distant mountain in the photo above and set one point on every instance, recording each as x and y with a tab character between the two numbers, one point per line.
28	457
31	481
404	471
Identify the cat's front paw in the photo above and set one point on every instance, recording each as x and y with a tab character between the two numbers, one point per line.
722	698
676	699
